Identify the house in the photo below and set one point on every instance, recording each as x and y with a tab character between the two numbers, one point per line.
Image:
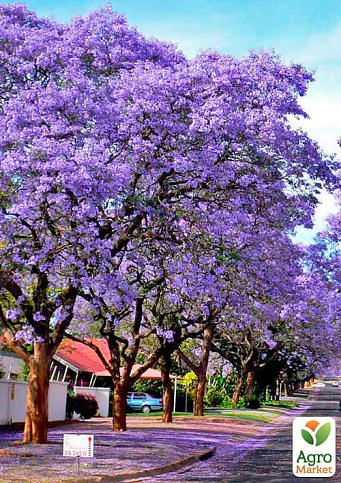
79	363
74	362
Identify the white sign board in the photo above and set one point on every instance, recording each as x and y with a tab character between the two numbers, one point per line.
314	447
78	445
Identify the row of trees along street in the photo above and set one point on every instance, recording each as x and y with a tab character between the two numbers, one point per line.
152	200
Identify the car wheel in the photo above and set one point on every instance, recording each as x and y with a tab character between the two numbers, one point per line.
146	409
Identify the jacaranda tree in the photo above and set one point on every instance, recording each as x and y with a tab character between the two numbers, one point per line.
64	200
109	142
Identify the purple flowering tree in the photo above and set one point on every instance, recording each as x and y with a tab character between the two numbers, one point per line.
256	280
113	145
323	262
283	335
66	205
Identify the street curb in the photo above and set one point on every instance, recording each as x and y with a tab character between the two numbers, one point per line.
157	470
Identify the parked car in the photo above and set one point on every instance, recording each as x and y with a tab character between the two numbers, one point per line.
335	383
142	401
319	384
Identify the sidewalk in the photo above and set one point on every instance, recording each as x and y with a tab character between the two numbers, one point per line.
148	448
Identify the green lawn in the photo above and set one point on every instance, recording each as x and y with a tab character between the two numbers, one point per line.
154	414
280	404
265	413
251	416
240	414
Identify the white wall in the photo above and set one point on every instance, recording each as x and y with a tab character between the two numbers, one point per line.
4	402
102	395
17	406
57	400
13	401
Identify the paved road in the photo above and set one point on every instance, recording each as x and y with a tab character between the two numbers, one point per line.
269	459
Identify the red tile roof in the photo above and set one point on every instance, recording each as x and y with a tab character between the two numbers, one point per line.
85	359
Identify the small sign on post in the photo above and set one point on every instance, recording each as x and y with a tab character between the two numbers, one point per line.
78	445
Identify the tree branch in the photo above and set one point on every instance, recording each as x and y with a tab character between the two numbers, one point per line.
96	349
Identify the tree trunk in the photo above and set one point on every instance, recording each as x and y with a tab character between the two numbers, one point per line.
200	393
238	389
119	410
202	371
167	416
36	420
288	389
250	380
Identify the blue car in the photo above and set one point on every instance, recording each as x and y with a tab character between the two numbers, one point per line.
142	401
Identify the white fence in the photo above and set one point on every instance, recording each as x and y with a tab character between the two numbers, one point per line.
102	395
13	401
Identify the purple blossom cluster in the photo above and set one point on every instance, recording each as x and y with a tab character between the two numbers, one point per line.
167	335
27	335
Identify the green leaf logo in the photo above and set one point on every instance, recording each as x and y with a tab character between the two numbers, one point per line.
315	436
307	436
323	433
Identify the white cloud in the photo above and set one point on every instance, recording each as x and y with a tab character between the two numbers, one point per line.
321	47
324	123
327	206
190	38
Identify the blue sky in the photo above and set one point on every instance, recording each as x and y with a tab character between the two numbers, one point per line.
305	31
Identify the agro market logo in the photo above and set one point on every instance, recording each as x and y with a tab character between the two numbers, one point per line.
313	447
314	434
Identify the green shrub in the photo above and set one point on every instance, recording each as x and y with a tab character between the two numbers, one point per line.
253	402
228	404
214	397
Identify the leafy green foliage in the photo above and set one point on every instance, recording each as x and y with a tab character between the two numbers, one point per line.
153	387
214	396
219	389
24	374
227	403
